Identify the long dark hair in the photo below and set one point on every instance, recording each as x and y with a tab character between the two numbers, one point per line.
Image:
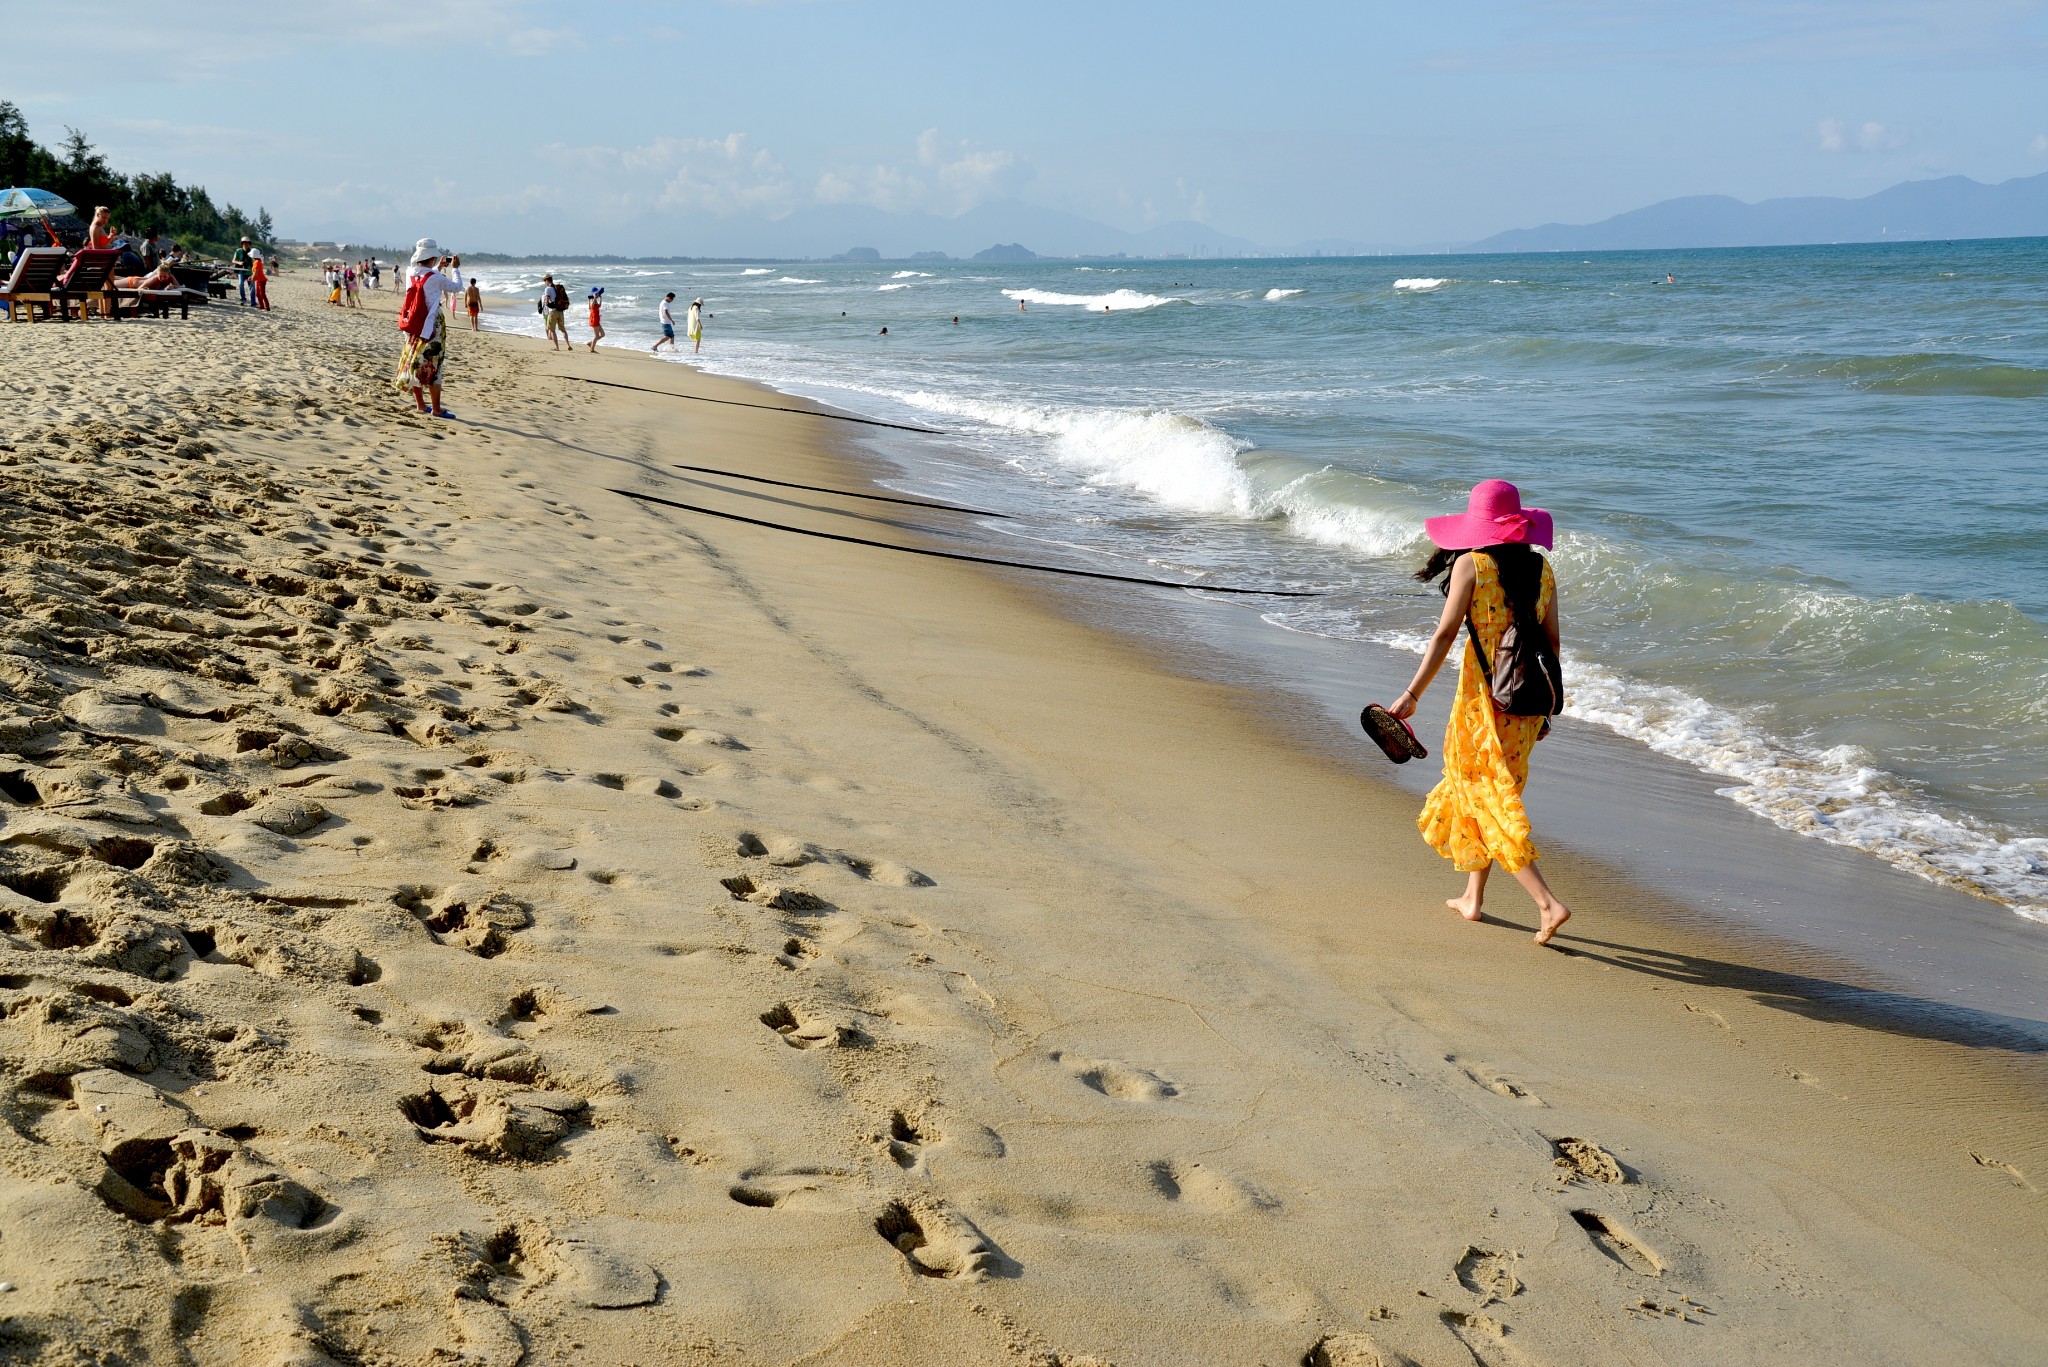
1521	572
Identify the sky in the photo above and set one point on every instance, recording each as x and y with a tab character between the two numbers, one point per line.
683	127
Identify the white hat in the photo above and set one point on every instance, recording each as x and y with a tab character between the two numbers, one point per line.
426	249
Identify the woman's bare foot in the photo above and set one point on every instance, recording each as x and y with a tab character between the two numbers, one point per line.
1554	915
1467	907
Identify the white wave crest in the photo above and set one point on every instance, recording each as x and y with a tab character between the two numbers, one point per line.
1838	795
1419	284
1283	294
1174	459
756	270
906	275
886	288
795	280
1115	302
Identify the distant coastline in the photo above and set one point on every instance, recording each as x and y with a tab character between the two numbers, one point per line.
1953	208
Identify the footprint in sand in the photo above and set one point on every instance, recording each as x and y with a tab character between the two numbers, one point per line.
1493	1081
2019	1178
936	1242
1582	1158
774	896
1619	1244
907	1139
1488	1275
1485	1338
1112	1078
802	1030
700	735
1352	1350
803	1188
788	852
1205	1188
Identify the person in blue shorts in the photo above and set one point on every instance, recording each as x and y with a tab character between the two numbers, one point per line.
668	323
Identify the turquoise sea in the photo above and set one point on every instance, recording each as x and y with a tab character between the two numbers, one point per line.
1800	491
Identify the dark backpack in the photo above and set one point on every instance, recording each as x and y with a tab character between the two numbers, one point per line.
1524	677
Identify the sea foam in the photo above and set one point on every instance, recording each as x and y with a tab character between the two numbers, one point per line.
1116	301
1283	294
1420	284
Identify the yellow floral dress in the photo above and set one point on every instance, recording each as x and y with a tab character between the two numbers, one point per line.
1474	816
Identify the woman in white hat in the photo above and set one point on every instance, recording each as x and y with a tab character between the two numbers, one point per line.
423	317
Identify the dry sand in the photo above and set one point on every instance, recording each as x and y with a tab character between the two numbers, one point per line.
453	913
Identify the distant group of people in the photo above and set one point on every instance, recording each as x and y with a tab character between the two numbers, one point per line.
553	306
345	280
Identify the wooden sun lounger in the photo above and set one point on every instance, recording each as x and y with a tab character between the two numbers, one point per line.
33	282
200	283
158	303
90	280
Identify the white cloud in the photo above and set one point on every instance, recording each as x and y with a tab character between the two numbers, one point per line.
941	175
718	176
1870	136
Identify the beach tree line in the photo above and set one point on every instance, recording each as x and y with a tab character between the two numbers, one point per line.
78	171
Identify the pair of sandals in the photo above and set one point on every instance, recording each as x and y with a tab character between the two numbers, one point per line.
1395	738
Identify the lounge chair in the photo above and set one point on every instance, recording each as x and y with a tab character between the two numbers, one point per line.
33	282
158	302
198	282
90	280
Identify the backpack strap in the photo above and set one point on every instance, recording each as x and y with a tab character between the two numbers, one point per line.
1485	669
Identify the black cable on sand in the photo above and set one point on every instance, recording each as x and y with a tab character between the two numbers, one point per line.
742	403
970	559
839	493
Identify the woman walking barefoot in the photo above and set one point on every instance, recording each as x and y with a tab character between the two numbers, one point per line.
1474	817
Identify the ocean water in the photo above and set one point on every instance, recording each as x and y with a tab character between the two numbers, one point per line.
1799	491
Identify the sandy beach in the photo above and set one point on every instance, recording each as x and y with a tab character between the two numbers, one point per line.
451	912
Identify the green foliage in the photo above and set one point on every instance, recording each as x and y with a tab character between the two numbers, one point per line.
79	172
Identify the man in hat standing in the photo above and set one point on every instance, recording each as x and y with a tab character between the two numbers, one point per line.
242	290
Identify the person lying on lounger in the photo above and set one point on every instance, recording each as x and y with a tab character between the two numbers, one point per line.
159	279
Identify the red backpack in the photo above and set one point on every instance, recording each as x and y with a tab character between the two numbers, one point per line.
415	313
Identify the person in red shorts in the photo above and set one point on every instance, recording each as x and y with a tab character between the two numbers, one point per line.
596	317
259	280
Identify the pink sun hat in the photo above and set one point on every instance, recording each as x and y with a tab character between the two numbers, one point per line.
1494	516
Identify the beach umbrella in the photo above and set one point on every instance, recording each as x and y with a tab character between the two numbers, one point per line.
23	202
22	206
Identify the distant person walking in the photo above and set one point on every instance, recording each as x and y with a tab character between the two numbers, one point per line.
696	326
473	300
259	281
554	303
1499	588
241	264
423	318
596	317
668	323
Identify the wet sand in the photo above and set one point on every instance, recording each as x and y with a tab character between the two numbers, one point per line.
455	913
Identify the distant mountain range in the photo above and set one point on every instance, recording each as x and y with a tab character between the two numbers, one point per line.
1952	207
1916	211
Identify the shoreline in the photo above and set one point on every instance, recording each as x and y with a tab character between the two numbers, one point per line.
1053	1007
1781	892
